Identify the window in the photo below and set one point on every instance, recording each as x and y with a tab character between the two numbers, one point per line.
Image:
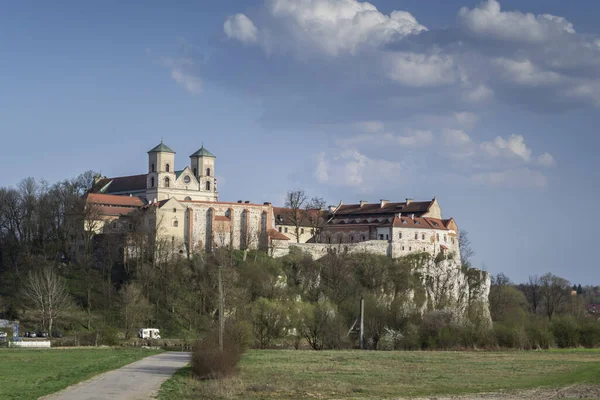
174	210
207	171
423	236
410	249
402	248
302	231
387	237
351	239
286	231
114	225
279	229
187	198
152	168
400	235
381	236
130	226
167	182
329	239
207	185
452	240
168	168
152	182
187	179
416	236
175	223
437	237
445	238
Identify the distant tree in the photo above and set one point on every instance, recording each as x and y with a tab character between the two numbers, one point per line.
135	308
464	246
554	291
45	293
507	303
268	320
533	293
315	216
295	202
579	289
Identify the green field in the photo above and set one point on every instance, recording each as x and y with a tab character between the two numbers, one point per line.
31	373
384	375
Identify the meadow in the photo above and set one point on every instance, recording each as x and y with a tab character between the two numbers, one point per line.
31	373
292	374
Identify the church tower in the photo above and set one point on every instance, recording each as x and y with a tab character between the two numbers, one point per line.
203	167
161	172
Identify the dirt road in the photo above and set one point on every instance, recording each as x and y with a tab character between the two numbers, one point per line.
139	380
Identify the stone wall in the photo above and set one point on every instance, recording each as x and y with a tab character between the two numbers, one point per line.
318	250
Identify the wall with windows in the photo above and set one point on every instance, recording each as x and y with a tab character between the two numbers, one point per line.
410	240
306	232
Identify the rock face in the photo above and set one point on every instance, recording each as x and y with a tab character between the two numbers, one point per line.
434	284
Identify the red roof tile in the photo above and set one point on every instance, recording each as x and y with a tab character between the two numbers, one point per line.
275	234
114	200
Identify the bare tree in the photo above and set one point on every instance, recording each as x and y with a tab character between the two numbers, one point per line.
295	202
554	291
532	292
315	217
464	246
45	293
135	308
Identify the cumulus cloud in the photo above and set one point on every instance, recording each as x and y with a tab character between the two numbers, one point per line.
240	27
513	146
518	178
341	26
456	137
488	20
183	73
413	69
351	168
545	160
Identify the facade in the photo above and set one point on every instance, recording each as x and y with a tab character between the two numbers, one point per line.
181	208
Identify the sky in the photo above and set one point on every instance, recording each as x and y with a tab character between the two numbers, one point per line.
491	106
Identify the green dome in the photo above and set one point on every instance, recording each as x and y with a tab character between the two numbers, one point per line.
161	148
203	153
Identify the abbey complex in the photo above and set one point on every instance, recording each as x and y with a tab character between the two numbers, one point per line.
183	207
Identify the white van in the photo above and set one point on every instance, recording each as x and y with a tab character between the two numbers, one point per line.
149	333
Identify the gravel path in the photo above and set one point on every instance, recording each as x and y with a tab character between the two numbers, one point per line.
138	380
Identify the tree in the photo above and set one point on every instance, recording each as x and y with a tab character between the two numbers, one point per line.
44	292
135	308
507	303
554	291
532	291
295	201
315	216
464	246
267	321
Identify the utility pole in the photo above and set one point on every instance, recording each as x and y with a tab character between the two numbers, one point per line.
221	305
362	323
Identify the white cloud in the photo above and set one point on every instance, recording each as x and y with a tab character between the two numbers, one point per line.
334	27
466	118
488	20
414	69
513	146
353	169
518	178
410	138
456	137
240	27
371	126
479	93
181	72
545	160
525	73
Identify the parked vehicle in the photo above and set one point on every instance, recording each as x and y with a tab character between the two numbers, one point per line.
3	336
30	334
42	334
149	333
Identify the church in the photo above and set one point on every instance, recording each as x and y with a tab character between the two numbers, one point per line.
181	207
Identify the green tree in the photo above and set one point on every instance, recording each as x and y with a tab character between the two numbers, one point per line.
268	318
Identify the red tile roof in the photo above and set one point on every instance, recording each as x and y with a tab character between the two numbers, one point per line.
114	200
276	235
415	207
115	211
419	223
283	216
221	218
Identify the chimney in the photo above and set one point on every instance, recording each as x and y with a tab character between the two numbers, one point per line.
363	202
408	201
247	202
266	203
383	203
240	202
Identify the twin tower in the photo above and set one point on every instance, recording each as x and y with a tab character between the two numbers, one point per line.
196	182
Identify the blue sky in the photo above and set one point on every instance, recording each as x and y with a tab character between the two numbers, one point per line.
490	106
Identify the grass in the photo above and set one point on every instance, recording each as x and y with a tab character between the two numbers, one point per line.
31	373
383	375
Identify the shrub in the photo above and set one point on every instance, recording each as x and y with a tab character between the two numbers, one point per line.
589	334
208	362
539	336
565	331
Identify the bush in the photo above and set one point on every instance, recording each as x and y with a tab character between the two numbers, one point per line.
589	334
539	336
565	331
208	362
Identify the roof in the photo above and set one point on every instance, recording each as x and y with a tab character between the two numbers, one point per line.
222	218
161	148
115	211
276	235
420	223
283	216
114	200
202	152
121	184
414	207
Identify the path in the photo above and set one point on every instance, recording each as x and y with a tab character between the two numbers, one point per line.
138	380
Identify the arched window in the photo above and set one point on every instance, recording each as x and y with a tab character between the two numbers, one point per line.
152	168
168	168
207	171
187	198
167	182
152	182
207	185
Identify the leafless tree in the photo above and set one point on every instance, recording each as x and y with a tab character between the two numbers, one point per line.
315	216
135	308
45	293
464	246
532	291
295	202
554	291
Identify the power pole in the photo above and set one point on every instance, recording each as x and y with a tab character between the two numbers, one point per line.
362	323
221	305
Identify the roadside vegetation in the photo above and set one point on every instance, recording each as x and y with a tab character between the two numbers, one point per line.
31	373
